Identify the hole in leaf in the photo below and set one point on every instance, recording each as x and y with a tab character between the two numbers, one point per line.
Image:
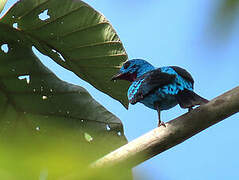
44	97
4	48
44	15
38	128
88	137
15	25
25	77
119	133
59	55
107	127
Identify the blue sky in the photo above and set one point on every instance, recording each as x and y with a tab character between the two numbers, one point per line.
175	33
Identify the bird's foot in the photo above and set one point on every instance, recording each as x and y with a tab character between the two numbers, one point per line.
161	123
190	109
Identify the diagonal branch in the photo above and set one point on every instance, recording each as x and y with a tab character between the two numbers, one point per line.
176	131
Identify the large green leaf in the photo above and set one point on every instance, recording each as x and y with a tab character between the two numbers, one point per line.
75	36
38	108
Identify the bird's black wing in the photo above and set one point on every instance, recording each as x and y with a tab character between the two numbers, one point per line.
183	73
187	98
148	83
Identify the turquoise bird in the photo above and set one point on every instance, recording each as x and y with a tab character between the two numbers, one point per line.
159	88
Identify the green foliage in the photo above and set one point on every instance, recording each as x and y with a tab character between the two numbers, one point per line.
37	159
86	41
223	20
50	128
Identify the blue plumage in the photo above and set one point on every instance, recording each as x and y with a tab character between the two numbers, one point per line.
161	88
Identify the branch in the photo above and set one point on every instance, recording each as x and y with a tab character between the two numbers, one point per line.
176	131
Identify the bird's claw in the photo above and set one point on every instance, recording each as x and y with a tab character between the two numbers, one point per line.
190	109
161	124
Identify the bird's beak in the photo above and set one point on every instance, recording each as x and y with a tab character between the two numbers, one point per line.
117	76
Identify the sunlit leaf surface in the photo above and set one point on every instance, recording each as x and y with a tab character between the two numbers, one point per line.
75	36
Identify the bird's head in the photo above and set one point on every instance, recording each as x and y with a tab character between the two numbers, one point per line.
132	69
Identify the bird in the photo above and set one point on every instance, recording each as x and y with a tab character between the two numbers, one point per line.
159	88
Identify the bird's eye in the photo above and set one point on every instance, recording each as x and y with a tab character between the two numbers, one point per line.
126	65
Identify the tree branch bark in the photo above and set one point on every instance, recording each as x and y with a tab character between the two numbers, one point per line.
176	131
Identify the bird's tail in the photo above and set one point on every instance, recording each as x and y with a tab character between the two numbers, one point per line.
188	99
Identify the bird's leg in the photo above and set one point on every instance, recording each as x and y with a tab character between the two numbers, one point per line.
160	123
190	109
